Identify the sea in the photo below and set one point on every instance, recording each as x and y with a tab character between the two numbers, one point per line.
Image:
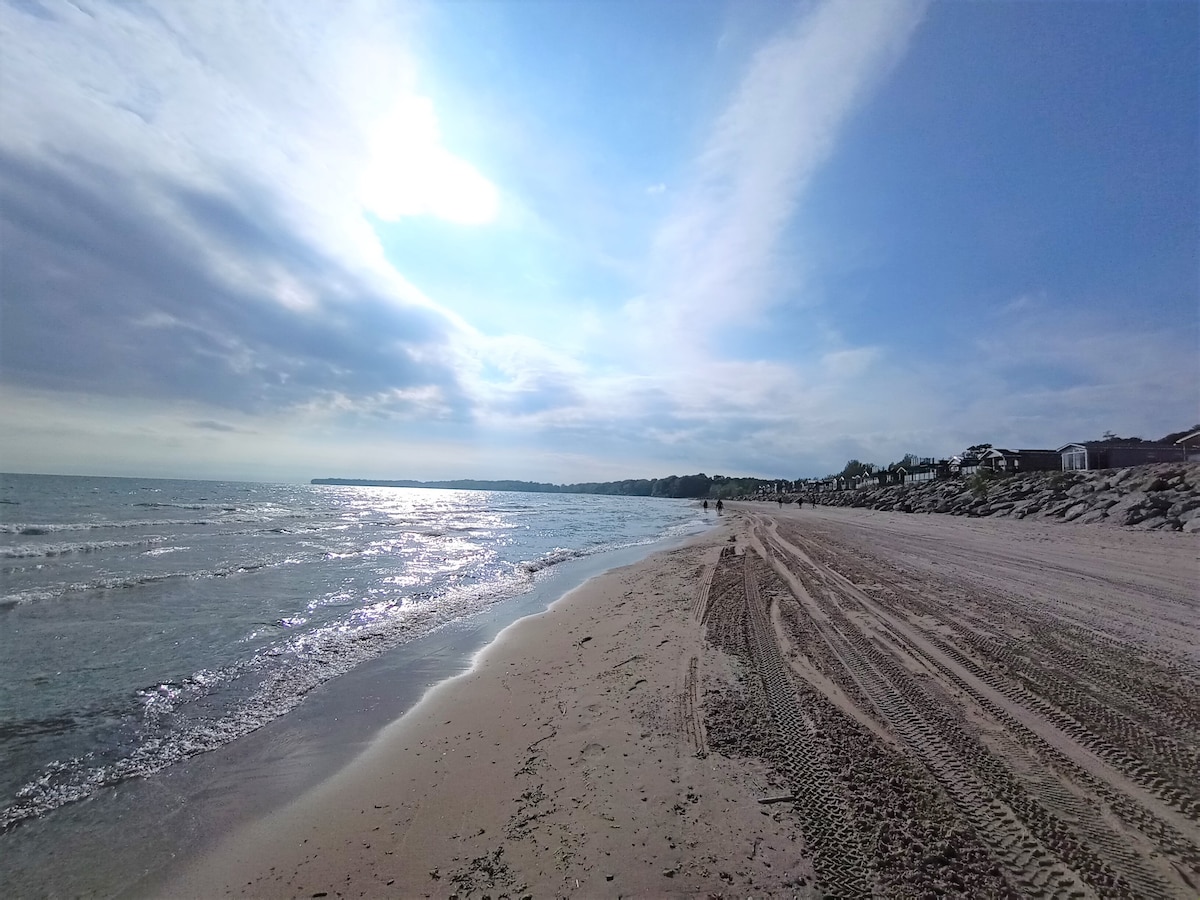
180	656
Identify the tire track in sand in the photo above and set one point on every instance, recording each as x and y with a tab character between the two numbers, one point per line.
895	632
827	823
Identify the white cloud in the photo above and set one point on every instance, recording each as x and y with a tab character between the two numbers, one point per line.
1071	375
841	363
248	141
219	96
233	149
199	167
714	258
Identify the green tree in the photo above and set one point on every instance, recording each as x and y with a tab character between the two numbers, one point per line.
854	468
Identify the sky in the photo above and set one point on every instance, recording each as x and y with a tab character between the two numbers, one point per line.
589	241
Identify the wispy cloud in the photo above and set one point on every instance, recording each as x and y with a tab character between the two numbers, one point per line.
1076	373
213	425
715	257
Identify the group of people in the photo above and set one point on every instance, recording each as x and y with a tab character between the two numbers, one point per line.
799	503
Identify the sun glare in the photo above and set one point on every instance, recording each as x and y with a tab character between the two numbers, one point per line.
410	173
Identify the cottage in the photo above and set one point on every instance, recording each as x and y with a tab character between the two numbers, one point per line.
964	464
1116	454
1000	460
1191	445
925	472
1038	461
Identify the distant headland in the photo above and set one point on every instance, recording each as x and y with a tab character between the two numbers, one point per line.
677	486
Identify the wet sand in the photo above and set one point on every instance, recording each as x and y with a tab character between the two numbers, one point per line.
799	703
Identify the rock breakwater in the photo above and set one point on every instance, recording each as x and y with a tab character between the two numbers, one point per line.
1162	497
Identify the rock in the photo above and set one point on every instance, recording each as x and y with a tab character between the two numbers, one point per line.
1074	512
1139	514
1120	476
1121	509
1150	497
1160	501
1187	503
1150	523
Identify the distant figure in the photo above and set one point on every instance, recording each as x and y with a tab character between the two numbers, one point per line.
799	503
720	506
706	504
780	499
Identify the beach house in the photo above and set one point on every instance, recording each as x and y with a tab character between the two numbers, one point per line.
1118	453
1001	460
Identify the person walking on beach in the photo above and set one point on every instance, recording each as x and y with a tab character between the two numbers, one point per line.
719	506
706	504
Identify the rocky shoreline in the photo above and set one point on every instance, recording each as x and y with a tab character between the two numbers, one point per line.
1164	497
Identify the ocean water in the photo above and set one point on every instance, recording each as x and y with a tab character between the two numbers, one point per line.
145	622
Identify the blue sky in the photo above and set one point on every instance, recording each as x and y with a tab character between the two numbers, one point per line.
590	240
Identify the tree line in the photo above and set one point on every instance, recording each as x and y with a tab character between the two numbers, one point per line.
675	486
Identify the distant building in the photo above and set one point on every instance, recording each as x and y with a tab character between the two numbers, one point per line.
929	470
1116	454
1038	460
964	464
1191	445
1000	460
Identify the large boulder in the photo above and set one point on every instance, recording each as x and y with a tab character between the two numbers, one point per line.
1164	496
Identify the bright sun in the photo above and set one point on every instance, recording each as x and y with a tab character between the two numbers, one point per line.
411	174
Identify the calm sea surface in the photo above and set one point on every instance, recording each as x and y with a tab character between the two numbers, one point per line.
143	622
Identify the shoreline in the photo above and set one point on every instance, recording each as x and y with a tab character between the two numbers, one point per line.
789	704
533	718
177	815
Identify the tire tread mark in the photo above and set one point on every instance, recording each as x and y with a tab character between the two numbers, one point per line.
838	859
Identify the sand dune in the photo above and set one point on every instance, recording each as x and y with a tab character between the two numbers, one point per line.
799	703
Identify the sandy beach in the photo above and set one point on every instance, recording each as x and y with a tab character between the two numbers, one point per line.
798	703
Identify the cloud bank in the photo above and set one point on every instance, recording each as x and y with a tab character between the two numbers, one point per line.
214	218
189	227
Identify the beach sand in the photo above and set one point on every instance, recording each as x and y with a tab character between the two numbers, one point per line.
797	703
